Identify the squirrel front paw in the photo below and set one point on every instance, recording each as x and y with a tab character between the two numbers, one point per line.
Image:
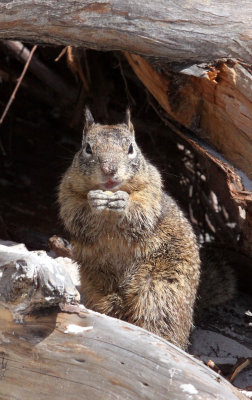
100	200
118	201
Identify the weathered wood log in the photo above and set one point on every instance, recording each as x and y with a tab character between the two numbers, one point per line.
32	280
216	106
219	111
78	353
180	31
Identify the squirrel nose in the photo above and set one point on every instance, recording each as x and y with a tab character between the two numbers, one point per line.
108	169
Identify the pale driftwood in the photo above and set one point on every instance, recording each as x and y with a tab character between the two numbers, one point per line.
32	280
184	31
77	353
45	358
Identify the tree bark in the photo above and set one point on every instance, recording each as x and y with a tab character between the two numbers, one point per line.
180	31
215	107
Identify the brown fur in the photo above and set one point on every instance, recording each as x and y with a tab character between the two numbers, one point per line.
139	261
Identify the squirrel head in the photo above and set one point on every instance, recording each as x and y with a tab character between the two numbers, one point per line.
109	158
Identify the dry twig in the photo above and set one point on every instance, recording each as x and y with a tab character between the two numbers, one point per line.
18	84
74	64
61	54
243	364
51	79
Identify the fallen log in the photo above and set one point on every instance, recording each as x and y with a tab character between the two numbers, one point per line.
76	353
217	106
216	111
180	31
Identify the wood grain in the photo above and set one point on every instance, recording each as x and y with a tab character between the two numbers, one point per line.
217	106
110	359
216	109
182	31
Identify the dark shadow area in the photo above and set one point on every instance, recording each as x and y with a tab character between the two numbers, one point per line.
41	133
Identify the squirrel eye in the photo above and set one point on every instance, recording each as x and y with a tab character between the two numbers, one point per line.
130	151
88	149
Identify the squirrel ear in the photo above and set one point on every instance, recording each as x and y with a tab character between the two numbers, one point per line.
89	119
128	121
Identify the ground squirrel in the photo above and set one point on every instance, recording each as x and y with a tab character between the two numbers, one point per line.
138	255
